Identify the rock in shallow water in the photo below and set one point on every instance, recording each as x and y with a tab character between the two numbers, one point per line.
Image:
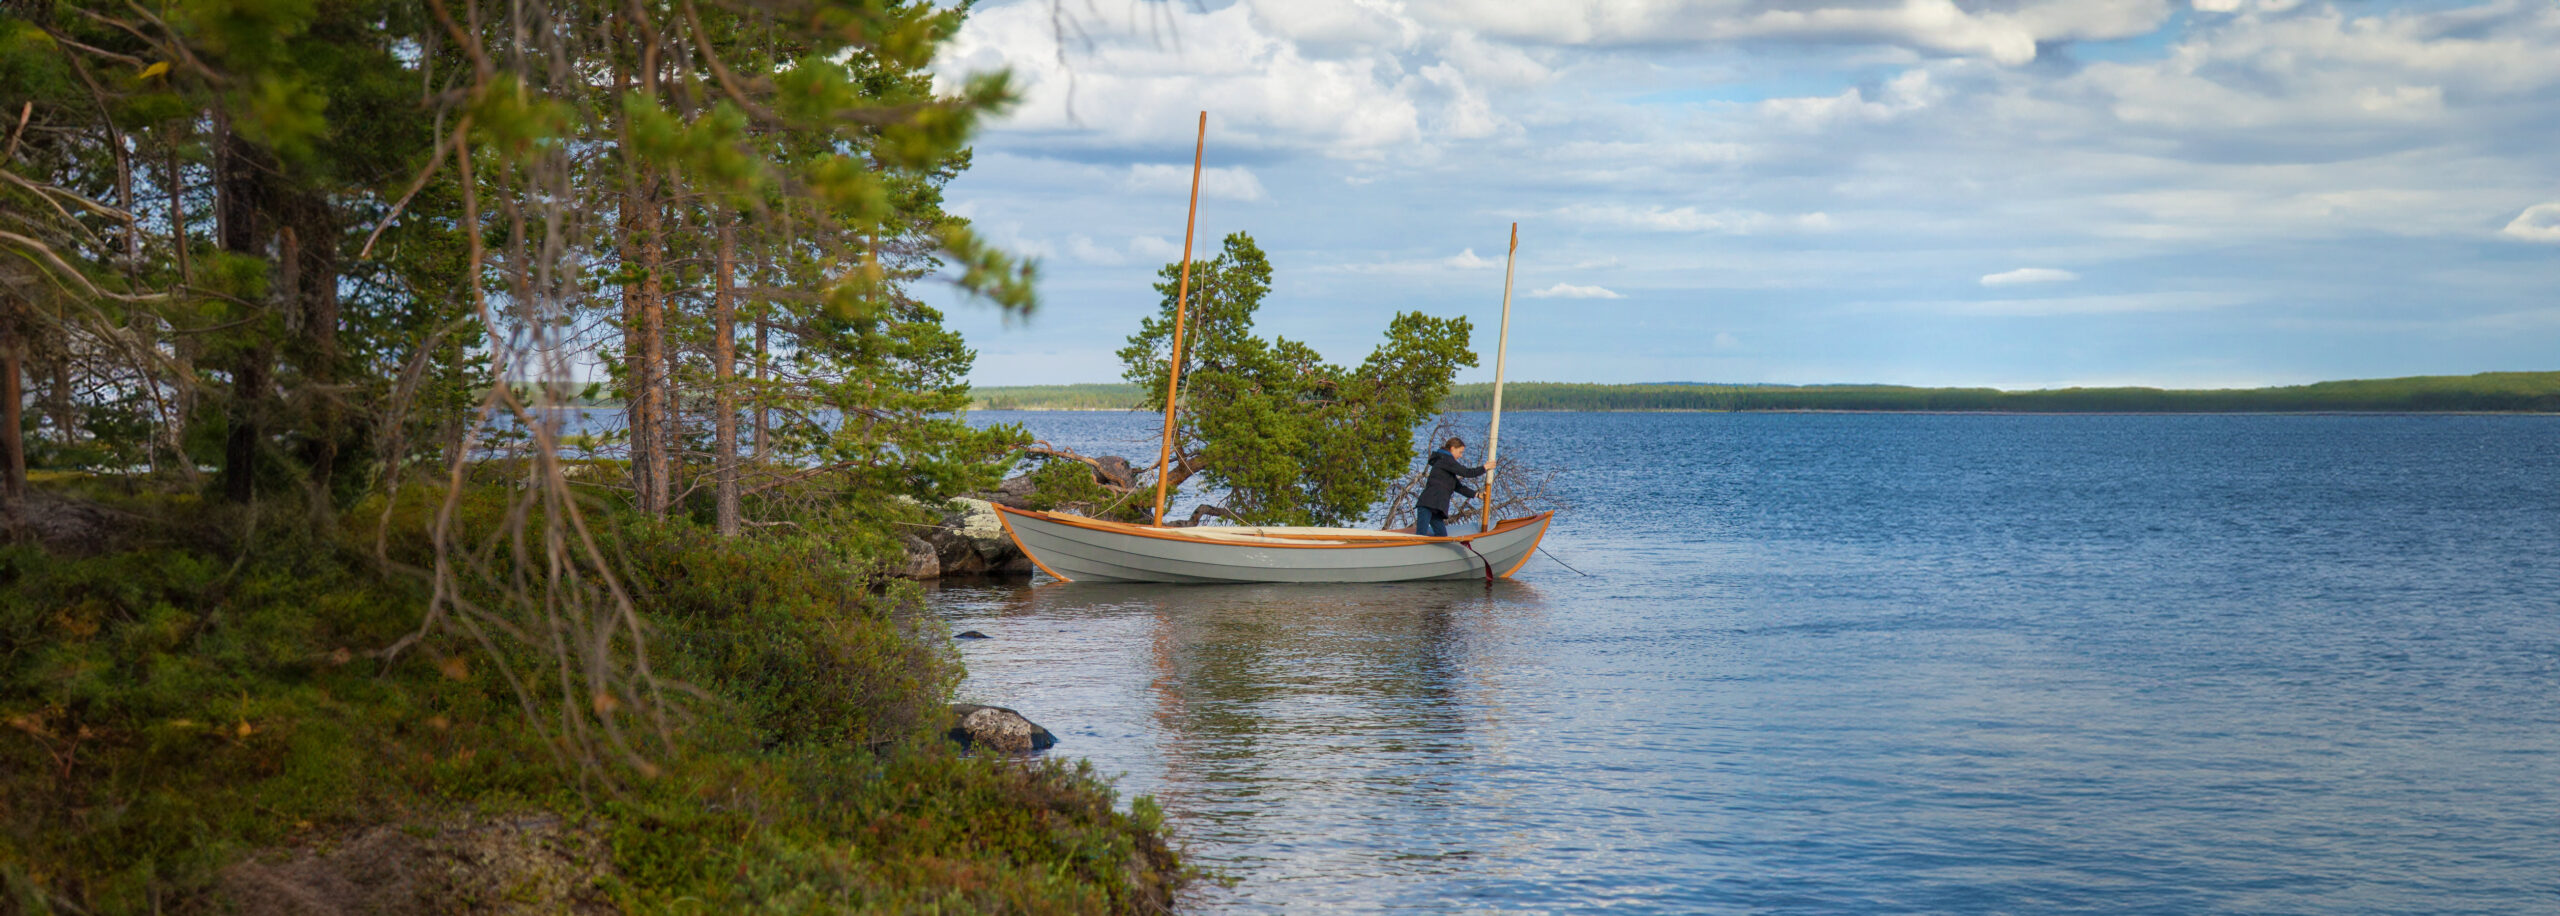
998	729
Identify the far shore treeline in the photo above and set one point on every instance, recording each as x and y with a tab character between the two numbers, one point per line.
2487	392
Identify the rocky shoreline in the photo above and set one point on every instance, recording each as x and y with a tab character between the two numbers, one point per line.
969	539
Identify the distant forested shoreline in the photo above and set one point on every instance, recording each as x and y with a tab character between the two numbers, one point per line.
2487	392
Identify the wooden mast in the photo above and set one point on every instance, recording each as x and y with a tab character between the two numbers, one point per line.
1502	348
1182	298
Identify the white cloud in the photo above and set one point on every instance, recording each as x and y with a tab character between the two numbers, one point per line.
1571	291
1907	93
2008	34
1691	219
1155	247
1328	76
1083	248
1347	25
2026	275
1495	64
2538	223
1143	250
1143	84
1466	259
1224	183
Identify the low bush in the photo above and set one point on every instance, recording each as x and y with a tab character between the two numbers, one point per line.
209	687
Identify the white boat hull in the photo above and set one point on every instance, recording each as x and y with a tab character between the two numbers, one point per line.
1079	549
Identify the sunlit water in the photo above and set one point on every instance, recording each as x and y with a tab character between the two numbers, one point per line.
1870	663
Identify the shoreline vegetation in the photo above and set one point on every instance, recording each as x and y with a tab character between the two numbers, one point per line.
301	610
2487	392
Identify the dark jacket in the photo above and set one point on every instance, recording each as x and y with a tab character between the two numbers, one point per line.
1445	471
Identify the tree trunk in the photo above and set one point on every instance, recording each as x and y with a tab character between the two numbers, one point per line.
241	191
315	284
175	417
651	445
64	418
639	418
670	356
13	446
723	370
763	422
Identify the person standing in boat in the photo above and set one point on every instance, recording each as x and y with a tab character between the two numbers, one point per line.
1431	509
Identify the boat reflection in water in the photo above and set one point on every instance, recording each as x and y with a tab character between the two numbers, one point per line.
1302	734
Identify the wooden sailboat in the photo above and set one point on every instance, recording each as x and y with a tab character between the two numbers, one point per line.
1079	549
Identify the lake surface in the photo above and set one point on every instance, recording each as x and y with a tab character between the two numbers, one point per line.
1870	663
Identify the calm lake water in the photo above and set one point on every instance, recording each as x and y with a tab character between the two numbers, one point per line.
1870	663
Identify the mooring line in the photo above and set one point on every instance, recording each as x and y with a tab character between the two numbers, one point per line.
1542	548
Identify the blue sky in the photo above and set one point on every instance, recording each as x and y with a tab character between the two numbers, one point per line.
2020	193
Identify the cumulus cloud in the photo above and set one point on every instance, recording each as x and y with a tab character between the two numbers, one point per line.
2538	223
1691	219
1143	249
2026	275
1906	93
1572	291
1142	83
2004	32
1466	259
1228	183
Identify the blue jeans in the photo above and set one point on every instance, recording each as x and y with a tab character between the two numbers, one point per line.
1430	521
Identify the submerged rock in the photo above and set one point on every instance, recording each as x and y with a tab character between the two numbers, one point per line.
998	729
972	634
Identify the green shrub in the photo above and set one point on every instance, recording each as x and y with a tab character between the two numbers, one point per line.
191	697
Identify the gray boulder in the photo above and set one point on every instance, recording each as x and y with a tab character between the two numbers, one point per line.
923	561
997	729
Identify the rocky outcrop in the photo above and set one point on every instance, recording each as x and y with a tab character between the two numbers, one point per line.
922	560
968	541
997	729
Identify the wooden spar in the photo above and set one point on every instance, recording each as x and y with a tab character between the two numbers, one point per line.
1502	348
1181	299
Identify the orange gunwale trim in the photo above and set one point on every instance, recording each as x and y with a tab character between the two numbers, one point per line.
1524	555
1026	548
1077	521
